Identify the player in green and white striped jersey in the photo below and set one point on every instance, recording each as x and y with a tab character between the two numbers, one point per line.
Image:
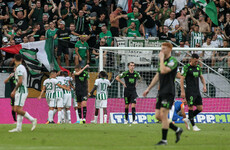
101	85
49	85
196	37
20	94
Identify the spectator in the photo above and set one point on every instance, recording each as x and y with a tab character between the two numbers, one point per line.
131	31
9	58
25	39
223	56
223	7
208	56
36	13
179	34
81	54
45	19
178	5
165	11
67	14
99	7
21	21
184	19
31	38
134	17
18	6
50	12
171	22
102	22
165	35
51	32
81	23
74	37
63	43
107	35
196	37
96	51
220	36
3	16
18	38
203	26
42	37
10	4
114	20
8	32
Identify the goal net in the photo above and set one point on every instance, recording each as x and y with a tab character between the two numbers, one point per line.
215	67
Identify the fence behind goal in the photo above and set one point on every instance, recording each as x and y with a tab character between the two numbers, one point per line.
215	63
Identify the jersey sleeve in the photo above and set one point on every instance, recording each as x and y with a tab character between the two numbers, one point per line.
87	75
19	71
172	64
96	82
138	75
44	83
184	71
200	70
122	75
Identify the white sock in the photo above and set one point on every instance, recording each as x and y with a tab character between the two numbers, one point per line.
63	114
27	116
77	116
95	118
105	118
55	110
19	121
59	116
68	115
50	115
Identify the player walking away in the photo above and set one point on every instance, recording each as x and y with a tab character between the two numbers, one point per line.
177	112
11	79
20	93
101	85
67	95
130	76
81	89
49	86
166	76
191	74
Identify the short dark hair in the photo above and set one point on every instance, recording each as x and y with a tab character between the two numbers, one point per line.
61	73
131	63
102	74
53	71
195	56
18	57
65	73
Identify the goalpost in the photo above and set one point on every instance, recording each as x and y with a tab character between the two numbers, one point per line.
215	70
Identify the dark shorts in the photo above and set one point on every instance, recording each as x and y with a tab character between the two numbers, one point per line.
130	97
194	100
114	31
165	101
80	97
12	102
62	49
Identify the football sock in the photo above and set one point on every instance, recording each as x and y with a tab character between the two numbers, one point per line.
196	112
95	119
54	112
19	121
126	113
68	115
77	116
190	117
134	113
14	115
79	112
59	116
27	116
84	112
173	127
63	114
105	118
164	134
50	115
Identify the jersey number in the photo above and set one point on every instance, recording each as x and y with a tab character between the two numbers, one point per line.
49	86
103	87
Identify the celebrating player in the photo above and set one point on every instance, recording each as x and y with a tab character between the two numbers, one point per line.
49	85
101	86
191	74
81	89
20	94
166	76
130	76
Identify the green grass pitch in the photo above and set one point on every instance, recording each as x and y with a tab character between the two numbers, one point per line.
112	137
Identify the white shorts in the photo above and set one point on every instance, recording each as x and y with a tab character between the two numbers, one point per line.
67	100
74	101
51	102
101	104
59	102
20	99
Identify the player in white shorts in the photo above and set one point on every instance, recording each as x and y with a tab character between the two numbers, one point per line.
49	85
101	85
59	97
20	94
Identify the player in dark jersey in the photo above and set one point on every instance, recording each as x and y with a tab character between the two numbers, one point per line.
81	90
12	81
130	76
166	76
191	74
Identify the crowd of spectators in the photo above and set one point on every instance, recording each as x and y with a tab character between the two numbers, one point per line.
80	27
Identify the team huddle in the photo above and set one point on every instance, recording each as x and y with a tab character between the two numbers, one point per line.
60	89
